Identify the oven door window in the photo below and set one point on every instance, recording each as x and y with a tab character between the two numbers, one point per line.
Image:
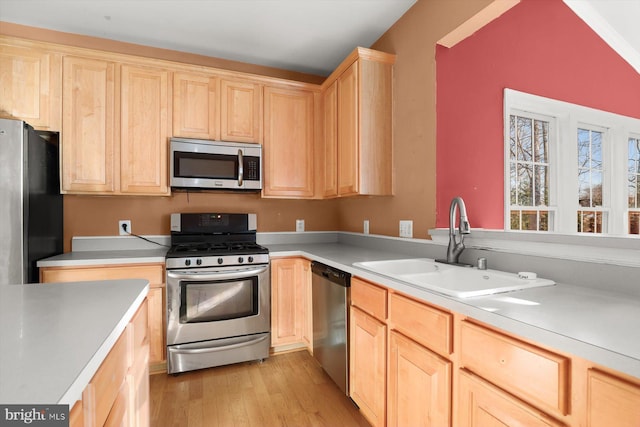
215	301
202	165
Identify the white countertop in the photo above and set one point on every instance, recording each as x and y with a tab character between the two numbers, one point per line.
595	324
53	337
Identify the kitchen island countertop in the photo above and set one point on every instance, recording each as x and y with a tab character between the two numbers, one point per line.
53	337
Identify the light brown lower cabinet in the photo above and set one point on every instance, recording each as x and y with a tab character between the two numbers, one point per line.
154	273
423	365
118	393
482	404
290	303
419	389
612	401
367	367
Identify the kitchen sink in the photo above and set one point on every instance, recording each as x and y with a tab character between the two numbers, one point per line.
460	282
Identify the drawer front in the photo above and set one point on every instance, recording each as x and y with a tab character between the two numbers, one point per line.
536	375
431	327
153	273
369	298
105	385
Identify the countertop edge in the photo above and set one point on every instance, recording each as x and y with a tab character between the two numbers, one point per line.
75	390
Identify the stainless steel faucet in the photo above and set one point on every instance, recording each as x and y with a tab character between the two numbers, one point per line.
455	248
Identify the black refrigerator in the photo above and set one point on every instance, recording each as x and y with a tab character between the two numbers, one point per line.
30	200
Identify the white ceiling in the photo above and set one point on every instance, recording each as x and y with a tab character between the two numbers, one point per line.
311	36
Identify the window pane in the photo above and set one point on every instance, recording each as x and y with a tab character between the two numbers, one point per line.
541	141
589	222
513	145
525	185
544	221
523	140
515	220
634	222
529	220
634	173
541	186
514	185
590	168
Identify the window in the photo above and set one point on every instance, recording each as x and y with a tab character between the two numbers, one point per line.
634	185
571	169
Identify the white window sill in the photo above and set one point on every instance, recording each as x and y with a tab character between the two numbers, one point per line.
619	250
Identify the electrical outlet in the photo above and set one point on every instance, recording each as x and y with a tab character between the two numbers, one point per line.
406	228
299	225
124	226
365	226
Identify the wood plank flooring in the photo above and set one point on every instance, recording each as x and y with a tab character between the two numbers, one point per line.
285	390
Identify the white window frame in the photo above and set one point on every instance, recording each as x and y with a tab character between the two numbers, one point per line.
563	155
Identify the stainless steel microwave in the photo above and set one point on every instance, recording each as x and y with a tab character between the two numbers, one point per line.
206	165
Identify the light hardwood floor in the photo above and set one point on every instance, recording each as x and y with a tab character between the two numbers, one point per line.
285	390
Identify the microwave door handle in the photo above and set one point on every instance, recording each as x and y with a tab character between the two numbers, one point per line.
240	168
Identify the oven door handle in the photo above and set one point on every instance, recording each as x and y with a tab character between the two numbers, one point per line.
207	348
211	275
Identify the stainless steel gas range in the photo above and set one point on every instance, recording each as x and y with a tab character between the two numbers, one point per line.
218	292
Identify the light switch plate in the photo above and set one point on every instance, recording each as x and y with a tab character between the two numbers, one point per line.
406	228
365	226
299	225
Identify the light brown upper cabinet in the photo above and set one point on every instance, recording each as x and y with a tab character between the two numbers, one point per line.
358	122
30	86
88	138
111	147
288	142
144	130
241	111
196	106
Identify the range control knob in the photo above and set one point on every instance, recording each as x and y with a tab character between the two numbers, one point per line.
187	262
240	260
220	260
250	259
199	261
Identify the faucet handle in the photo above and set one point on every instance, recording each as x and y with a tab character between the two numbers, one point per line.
482	264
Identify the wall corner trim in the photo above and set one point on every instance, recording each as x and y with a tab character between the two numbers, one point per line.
477	21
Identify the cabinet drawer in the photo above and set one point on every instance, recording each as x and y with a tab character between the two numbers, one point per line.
425	324
152	273
369	298
102	391
539	376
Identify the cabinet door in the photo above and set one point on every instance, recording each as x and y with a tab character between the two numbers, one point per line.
196	106
419	385
287	301
88	137
367	365
241	111
330	147
157	347
144	130
348	132
288	143
612	401
30	86
484	405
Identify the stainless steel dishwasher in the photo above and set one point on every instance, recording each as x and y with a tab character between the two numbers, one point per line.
330	297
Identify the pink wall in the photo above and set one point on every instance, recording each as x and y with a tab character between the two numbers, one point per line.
540	47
